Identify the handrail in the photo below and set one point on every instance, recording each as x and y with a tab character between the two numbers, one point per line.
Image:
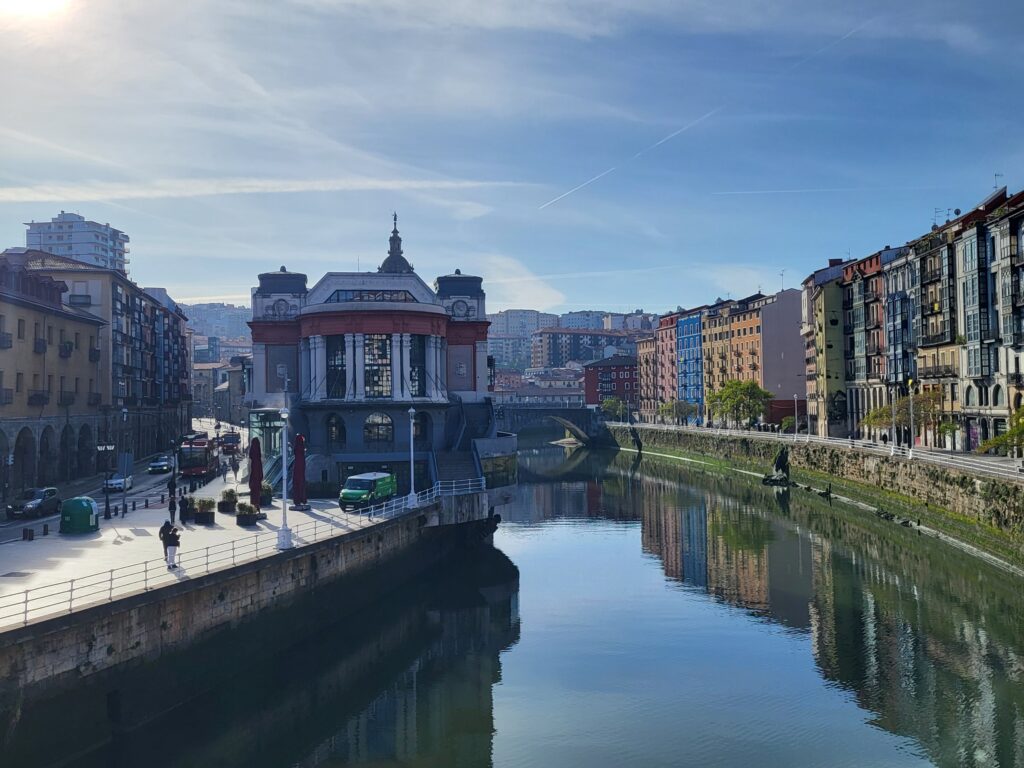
988	467
37	603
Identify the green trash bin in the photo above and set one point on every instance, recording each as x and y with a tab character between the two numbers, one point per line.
79	515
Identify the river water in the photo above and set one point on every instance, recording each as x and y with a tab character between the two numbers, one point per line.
648	613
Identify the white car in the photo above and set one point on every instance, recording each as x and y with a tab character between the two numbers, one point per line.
118	483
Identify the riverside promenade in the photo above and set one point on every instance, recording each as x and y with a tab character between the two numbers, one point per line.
59	574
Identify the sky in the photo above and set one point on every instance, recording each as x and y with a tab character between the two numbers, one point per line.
604	154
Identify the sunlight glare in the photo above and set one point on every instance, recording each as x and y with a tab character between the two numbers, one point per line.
32	9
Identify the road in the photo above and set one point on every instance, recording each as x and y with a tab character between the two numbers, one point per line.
146	486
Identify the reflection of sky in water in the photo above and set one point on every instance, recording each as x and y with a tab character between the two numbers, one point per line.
673	617
614	669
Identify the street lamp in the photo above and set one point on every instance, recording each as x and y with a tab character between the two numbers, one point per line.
910	388
796	417
892	432
411	502
284	533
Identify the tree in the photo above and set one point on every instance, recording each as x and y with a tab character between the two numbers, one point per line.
948	429
927	412
1012	439
741	401
614	408
678	411
788	422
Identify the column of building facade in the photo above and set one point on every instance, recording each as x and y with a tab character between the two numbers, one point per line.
321	367
350	366
259	370
430	353
442	367
397	392
360	366
406	366
305	377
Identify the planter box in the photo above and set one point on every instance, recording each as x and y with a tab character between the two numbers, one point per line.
266	499
247	519
204	518
227	507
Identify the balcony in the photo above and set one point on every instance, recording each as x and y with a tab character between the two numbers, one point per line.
872	322
94	398
38	397
1018	298
66	398
931	275
935	371
872	348
847	302
80	300
6	396
872	296
752	366
848	353
930	339
65	349
39	346
6	341
94	355
931	308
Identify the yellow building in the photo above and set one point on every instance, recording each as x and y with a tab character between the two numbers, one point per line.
51	381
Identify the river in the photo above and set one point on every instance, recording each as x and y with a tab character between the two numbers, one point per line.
643	612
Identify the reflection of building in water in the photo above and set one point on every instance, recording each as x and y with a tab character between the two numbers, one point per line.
737	561
439	709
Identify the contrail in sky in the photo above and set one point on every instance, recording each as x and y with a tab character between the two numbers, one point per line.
704	117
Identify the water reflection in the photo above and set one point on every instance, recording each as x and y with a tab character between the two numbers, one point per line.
930	641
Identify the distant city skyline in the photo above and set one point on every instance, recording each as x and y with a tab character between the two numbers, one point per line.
667	154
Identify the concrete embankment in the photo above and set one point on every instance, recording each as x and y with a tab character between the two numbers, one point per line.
54	655
986	512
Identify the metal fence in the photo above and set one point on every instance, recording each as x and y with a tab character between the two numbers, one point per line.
21	608
1003	468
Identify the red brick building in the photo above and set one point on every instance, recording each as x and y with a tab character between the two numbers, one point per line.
614	376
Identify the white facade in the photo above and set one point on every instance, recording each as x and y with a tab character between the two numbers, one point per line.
583	319
71	236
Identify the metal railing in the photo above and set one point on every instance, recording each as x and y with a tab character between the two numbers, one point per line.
37	603
1001	468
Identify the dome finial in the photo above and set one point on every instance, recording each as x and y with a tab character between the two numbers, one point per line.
395	262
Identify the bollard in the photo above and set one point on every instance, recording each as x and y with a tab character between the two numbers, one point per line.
46	529
161	498
124	509
145	504
133	505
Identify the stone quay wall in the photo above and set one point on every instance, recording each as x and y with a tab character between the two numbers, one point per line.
50	655
990	501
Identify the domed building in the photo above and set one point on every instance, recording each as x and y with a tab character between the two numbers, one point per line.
351	355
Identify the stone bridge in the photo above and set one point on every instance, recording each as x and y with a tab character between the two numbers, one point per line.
581	423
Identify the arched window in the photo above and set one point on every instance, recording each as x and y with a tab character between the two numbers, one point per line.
969	396
335	432
997	395
378	430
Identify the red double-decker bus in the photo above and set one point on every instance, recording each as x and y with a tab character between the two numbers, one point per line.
197	457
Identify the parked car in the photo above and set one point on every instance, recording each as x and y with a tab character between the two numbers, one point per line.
118	483
366	490
34	502
160	464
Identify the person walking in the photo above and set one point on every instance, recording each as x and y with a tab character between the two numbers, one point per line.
234	467
172	506
224	471
165	529
173	542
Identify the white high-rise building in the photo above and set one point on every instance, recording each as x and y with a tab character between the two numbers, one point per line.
71	236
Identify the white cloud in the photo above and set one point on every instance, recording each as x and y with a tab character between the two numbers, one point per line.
510	283
173	188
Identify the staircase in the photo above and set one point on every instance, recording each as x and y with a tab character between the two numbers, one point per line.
459	465
272	471
479	423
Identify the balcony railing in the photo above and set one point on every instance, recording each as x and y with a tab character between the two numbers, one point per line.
65	349
94	398
871	296
94	355
935	371
38	397
872	322
931	275
872	347
6	396
39	346
942	337
931	308
66	398
1016	379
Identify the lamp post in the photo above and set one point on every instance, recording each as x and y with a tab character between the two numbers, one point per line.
910	388
284	533
796	417
892	429
124	469
411	502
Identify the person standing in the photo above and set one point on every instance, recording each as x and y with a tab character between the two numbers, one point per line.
165	529
173	542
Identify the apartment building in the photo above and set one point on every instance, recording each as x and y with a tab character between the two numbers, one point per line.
821	312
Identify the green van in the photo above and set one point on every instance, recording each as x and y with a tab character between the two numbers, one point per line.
367	489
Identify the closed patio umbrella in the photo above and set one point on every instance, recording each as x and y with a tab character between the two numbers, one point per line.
255	472
299	472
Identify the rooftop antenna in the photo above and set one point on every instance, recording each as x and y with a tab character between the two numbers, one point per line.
782	275
996	177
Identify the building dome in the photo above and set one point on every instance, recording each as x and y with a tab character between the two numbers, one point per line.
395	263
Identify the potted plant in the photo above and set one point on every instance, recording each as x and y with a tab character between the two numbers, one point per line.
246	514
204	511
228	501
266	494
